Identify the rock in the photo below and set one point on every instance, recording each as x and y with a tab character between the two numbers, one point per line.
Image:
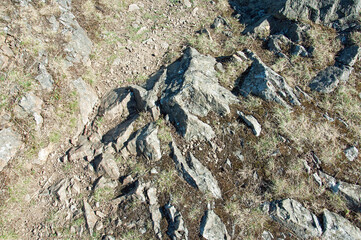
351	153
195	173
45	79
32	105
327	80
87	99
43	155
251	122
267	235
106	165
297	218
187	3
176	226
10	143
81	152
60	191
260	29
338	228
317	179
191	90
115	104
91	218
105	183
212	227
79	46
352	192
349	55
155	211
124	130
298	50
276	43
263	82
133	7
219	21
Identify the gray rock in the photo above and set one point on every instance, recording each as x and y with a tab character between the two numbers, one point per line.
43	155
133	7
10	144
191	90
32	105
351	153
91	218
267	235
276	43
105	183
107	166
349	55
115	104
80	152
251	122
327	80
148	143
352	192
123	133
59	190
260	29
195	173
297	218
339	228
45	79
263	82
298	50
155	211
212	227
87	99
219	21
176	226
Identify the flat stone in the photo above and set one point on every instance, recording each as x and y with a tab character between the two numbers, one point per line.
349	55
251	122
212	227
351	153
10	144
338	228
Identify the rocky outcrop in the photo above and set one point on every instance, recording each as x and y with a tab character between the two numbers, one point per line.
212	227
265	83
338	228
195	173
348	56
297	218
10	143
176	227
106	165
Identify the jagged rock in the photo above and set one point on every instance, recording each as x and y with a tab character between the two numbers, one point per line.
263	82
297	218
260	29
276	43
106	165
351	153
91	218
105	183
43	155
80	152
327	80
352	192
145	142
115	103
60	191
251	122
10	143
87	99
79	46
298	50
32	105
267	235
122	134
318	11
212	227
338	228
219	21
349	55
191	91
45	79
154	211
195	173
176	226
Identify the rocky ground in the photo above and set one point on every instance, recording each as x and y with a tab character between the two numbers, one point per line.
180	119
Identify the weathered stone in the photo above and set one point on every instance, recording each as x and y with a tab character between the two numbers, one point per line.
155	211
115	104
251	122
260	29
263	82
125	130
267	235
327	80
105	183
212	227
276	43
90	217
338	228
106	165
32	105
133	7
218	21
349	55
81	152
298	50
351	153
60	191
148	144
43	155
176	226
195	173
10	143
297	218
87	99
45	79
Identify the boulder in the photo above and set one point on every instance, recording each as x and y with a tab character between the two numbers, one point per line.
154	210
295	217
106	165
148	143
212	227
349	55
176	226
90	217
87	99
276	43
251	122
10	143
45	79
115	104
195	173
351	153
260	29
327	80
265	83
338	228
31	104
